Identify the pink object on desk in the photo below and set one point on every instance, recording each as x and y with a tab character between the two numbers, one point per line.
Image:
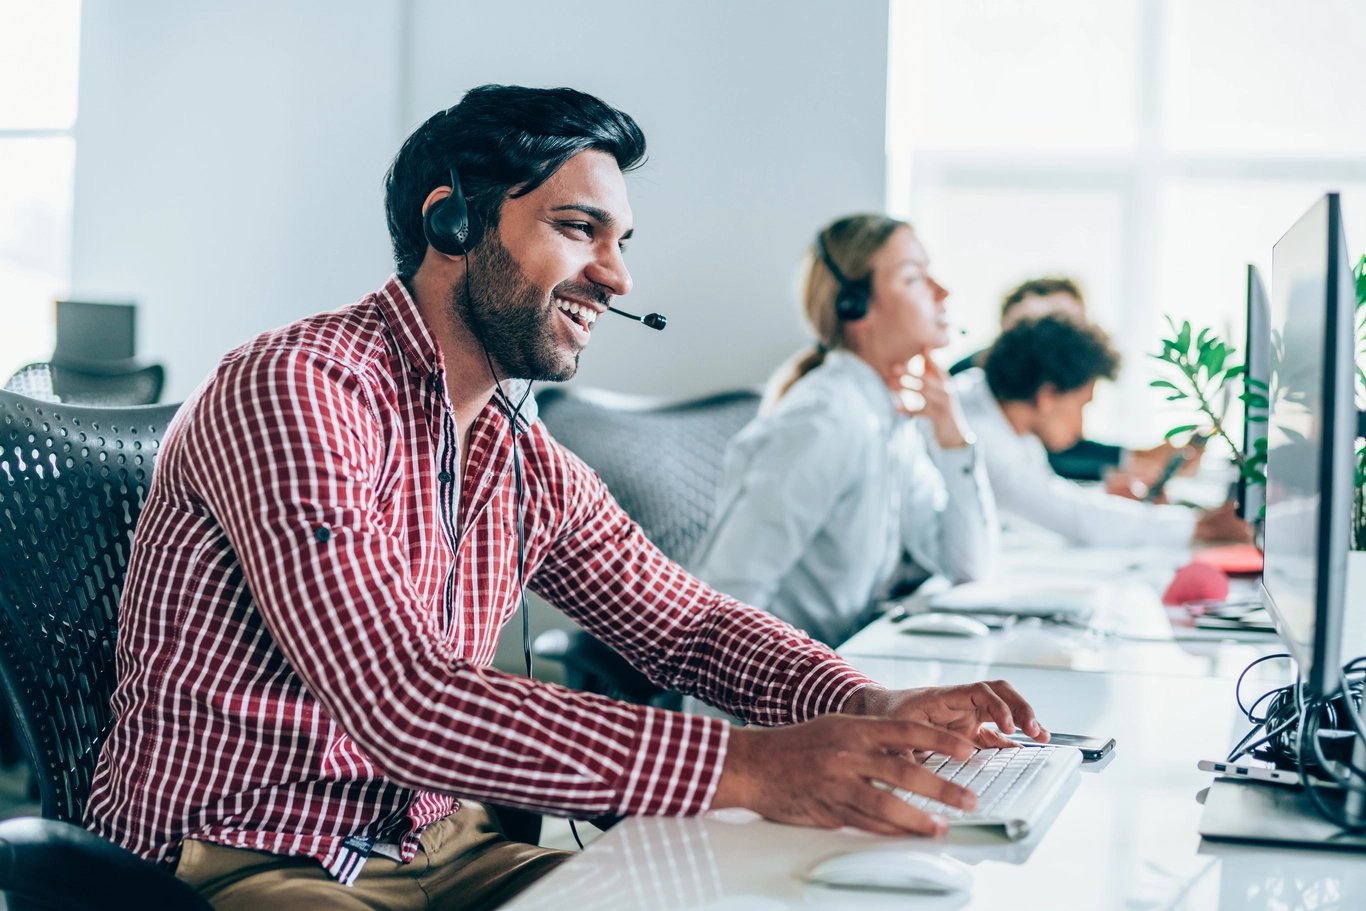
1196	582
1235	559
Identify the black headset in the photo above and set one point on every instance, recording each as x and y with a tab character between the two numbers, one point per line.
851	301
449	224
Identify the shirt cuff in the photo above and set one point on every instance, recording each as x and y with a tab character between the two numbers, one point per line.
826	688
958	462
677	764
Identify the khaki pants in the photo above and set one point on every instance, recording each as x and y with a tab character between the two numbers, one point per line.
464	862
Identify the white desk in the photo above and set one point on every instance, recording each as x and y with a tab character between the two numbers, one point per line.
1127	838
1134	632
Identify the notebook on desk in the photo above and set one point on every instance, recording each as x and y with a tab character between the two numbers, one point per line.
1063	599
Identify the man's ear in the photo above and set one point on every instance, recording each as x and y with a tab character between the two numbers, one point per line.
1045	398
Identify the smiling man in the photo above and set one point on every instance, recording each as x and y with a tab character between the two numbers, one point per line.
338	530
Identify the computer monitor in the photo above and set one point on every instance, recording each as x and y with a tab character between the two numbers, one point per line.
1311	428
1257	363
88	331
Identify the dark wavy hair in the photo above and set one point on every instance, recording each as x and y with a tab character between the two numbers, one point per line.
1040	287
505	141
1057	349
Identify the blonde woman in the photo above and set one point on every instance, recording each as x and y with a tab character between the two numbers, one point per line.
859	478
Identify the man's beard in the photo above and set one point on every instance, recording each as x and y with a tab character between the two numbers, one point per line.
511	317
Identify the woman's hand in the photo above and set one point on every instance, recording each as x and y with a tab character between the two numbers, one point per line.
930	396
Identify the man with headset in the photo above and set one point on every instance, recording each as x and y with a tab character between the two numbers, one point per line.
339	526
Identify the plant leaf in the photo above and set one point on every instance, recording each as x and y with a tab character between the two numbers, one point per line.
1163	384
1217	355
1177	431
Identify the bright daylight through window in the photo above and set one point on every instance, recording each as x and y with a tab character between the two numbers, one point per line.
1150	148
38	69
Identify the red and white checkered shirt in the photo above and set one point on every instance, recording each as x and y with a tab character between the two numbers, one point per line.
311	610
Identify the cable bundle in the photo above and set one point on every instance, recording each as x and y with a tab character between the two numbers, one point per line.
1289	728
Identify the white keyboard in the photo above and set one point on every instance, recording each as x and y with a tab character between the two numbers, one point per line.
1016	788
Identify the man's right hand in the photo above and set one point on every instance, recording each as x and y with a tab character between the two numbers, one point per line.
821	773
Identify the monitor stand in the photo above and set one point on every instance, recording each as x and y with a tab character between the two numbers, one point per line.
1246	811
1355	804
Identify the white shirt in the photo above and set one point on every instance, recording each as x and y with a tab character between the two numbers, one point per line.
834	495
1026	485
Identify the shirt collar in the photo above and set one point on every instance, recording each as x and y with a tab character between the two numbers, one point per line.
974	393
405	321
868	381
419	347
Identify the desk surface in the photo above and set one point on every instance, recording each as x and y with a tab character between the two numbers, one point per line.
1127	838
1133	632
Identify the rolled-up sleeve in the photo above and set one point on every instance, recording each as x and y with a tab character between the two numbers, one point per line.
331	583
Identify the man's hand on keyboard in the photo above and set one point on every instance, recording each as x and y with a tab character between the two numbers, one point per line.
963	709
822	773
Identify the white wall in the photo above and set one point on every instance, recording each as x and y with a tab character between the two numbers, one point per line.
228	165
230	158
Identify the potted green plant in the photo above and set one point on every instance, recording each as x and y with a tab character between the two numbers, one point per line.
1208	376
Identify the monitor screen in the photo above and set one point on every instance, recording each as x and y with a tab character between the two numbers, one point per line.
1257	359
1311	427
90	331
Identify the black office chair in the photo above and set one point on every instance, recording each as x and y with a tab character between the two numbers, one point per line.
662	461
83	382
72	482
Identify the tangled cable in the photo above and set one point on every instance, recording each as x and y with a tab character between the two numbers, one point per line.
1289	729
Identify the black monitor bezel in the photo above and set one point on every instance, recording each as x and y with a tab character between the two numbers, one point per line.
1323	675
1256	339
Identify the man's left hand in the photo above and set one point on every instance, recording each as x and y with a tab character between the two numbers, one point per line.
964	709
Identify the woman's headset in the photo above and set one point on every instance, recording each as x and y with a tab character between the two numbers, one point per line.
851	300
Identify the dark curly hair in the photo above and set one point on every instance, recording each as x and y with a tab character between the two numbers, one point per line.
1057	349
505	141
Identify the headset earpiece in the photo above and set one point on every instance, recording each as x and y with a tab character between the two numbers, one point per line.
851	300
449	225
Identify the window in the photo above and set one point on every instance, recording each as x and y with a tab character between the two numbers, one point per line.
37	155
1149	148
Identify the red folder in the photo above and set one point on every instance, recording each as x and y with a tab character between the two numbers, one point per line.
1234	559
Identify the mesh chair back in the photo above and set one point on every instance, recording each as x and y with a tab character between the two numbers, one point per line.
72	483
111	384
661	460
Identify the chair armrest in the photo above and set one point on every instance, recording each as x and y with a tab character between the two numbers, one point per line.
54	864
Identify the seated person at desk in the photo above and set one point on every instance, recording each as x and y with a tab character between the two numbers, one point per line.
838	494
1086	460
306	715
1027	400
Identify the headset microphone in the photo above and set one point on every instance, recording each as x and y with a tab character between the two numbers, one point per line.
653	320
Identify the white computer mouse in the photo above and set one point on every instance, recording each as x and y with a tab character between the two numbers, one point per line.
936	623
893	869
